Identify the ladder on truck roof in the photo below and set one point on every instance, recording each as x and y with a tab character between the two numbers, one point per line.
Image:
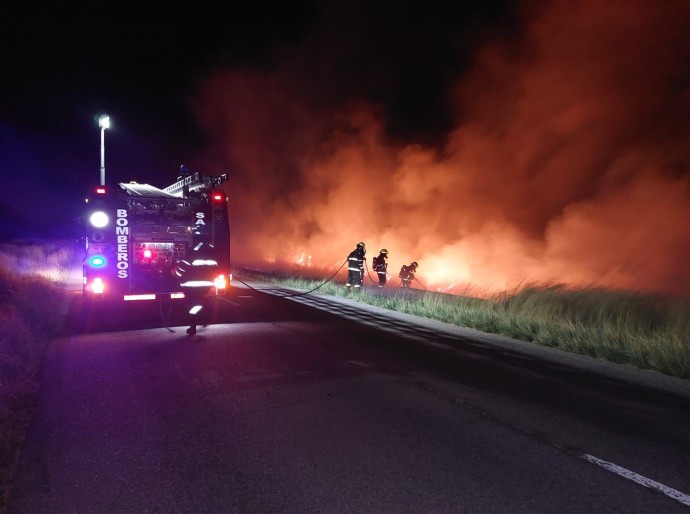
194	182
145	191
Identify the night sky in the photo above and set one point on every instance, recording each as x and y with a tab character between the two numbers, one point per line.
145	68
140	63
494	142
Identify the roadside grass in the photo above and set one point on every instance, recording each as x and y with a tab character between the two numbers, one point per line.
643	330
32	278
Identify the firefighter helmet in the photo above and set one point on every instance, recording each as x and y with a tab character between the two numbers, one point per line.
361	244
414	264
384	252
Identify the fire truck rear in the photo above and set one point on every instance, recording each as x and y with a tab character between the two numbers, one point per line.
137	233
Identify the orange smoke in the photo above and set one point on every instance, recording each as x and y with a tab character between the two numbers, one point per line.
568	162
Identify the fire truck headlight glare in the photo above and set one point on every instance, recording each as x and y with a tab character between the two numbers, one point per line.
99	219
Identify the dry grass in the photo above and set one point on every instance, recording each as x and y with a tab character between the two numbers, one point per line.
643	330
31	285
45	260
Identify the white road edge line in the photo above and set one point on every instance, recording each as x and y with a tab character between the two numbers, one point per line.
647	482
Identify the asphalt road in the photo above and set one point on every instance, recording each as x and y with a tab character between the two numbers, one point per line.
307	404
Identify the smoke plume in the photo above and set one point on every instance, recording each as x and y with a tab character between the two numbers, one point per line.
567	160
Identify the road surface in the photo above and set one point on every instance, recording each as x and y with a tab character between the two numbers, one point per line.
310	404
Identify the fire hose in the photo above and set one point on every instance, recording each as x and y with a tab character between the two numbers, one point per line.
306	292
368	275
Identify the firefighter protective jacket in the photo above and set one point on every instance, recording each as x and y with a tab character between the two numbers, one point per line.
355	261
406	272
380	264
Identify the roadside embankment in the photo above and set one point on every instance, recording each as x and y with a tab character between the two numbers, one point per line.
32	284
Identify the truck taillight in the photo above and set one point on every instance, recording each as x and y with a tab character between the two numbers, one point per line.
221	284
97	286
218	198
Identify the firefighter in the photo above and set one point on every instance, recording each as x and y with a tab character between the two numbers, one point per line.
407	274
380	266
196	273
355	267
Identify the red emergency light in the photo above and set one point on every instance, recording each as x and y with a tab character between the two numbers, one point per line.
100	190
217	197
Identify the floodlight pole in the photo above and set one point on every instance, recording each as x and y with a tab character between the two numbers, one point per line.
104	123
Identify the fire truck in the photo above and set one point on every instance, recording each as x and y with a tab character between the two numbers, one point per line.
136	234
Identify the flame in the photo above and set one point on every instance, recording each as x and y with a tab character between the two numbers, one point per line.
303	260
